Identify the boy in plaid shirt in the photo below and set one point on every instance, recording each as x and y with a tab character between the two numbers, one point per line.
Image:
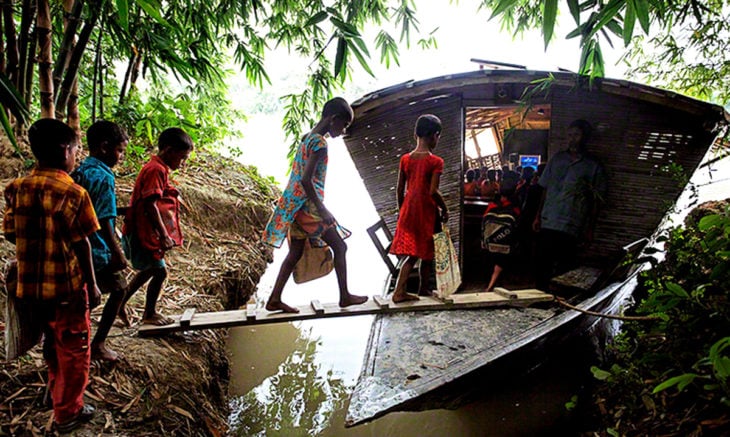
49	218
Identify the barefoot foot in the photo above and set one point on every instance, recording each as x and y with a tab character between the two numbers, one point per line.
352	299
157	319
280	306
404	297
100	352
124	316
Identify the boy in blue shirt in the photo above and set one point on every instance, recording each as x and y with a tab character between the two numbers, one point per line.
107	143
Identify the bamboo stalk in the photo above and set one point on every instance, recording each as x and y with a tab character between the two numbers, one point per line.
45	75
78	51
25	57
71	25
11	42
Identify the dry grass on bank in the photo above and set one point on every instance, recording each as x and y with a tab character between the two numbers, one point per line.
175	385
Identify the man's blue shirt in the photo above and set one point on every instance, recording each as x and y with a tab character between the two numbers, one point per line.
98	179
571	187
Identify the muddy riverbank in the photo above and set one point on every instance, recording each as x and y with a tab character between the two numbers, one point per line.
175	385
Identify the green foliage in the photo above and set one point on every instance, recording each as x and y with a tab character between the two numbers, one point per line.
681	45
679	363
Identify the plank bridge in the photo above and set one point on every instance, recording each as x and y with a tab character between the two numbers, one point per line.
190	320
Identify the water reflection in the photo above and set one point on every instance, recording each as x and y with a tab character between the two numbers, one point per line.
298	400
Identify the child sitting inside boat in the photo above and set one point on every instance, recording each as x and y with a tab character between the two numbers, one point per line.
499	226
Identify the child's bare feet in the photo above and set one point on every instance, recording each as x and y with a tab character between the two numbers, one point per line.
280	306
404	297
124	316
157	319
352	299
100	352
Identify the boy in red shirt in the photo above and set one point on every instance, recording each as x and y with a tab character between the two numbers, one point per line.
49	219
152	226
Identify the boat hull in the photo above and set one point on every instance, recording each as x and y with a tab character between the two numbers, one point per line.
416	361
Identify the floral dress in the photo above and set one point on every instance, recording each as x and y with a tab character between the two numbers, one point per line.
417	216
294	198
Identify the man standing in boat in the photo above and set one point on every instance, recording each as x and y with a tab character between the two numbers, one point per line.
574	187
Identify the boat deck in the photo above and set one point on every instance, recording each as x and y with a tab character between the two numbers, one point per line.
190	320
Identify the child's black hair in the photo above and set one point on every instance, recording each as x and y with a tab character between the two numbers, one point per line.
508	186
427	125
338	107
469	175
175	138
105	131
48	138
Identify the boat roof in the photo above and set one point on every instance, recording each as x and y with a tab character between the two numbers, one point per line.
445	83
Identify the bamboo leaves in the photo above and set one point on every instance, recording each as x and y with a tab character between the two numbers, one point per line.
548	23
123	11
594	21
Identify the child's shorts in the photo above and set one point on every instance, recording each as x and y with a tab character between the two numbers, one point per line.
309	224
111	282
141	258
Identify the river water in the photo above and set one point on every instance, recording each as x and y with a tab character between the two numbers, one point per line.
295	379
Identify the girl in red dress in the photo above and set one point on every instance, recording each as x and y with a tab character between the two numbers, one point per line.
418	200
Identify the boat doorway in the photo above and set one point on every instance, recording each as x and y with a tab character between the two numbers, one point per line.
498	139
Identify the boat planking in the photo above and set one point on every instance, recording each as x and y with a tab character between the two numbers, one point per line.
191	321
643	136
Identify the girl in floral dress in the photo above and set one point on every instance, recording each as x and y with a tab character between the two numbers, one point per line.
418	199
300	211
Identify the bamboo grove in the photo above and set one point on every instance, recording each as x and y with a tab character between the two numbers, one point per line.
61	58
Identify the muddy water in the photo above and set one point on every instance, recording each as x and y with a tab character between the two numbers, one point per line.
295	379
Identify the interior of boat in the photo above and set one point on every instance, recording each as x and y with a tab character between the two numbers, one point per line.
495	138
500	138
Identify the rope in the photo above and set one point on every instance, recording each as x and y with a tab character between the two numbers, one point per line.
560	301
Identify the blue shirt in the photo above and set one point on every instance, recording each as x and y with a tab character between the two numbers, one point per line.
98	179
571	190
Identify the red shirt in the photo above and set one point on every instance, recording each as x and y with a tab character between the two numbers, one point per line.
153	182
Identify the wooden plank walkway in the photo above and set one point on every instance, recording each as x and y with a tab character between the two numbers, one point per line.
190	320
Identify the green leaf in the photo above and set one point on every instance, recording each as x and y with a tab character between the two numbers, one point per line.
642	13
574	10
600	374
153	10
607	13
358	54
11	100
340	58
502	7
123	9
9	130
680	381
719	271
629	20
676	289
548	23
316	18
711	221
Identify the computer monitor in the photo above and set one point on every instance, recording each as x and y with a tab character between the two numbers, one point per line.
529	161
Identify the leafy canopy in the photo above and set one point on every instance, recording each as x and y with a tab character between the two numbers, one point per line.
681	45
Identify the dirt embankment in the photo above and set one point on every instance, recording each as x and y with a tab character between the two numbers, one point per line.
174	385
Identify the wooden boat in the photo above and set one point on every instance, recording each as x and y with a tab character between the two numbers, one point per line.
643	136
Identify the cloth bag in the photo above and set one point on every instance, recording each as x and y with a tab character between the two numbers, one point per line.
446	263
23	329
314	263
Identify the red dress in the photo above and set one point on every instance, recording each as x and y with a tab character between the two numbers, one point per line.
417	217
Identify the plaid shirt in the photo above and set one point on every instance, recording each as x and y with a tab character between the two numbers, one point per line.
47	212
